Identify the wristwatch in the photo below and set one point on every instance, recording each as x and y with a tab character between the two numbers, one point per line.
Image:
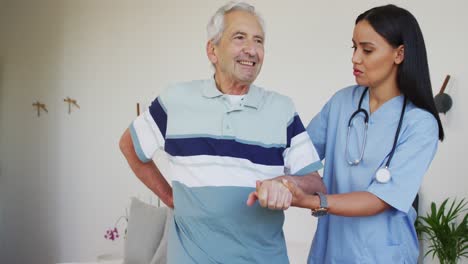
323	209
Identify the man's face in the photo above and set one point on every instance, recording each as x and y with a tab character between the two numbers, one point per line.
238	57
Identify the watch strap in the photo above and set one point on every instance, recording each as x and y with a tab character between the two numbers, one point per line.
323	207
323	200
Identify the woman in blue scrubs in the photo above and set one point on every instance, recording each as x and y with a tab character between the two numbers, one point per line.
373	173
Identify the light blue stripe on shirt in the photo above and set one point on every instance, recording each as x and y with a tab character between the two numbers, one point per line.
217	220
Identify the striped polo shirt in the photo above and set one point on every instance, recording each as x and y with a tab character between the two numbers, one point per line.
217	151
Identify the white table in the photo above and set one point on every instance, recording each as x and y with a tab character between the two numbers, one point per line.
97	262
102	259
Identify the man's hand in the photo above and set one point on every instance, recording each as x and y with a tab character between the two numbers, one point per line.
272	194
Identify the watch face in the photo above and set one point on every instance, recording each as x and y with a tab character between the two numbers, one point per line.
320	211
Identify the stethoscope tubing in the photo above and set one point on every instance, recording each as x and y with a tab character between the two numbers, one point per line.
366	121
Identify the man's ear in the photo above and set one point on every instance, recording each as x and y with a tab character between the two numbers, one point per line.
211	52
400	54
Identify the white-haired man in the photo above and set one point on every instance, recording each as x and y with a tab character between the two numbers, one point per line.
224	137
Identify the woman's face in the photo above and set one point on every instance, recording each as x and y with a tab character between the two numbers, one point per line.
375	61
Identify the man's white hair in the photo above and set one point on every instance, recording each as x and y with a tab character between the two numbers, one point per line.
215	27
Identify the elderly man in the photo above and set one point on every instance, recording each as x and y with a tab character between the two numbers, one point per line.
225	137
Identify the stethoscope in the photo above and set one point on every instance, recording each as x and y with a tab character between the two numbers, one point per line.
383	174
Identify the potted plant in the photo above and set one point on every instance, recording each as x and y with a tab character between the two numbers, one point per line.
448	241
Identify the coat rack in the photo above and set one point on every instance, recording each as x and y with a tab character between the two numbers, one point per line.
71	102
39	106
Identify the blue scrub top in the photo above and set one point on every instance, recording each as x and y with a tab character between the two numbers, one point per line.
388	237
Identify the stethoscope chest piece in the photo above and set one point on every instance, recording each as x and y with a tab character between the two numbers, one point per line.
383	175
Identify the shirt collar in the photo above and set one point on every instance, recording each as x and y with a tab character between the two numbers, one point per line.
210	90
389	110
252	99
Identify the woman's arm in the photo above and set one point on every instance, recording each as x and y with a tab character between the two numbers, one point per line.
346	204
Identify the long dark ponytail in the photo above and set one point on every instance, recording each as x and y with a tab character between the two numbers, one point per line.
399	27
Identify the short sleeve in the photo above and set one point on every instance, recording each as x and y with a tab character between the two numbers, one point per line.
300	156
317	130
412	158
148	130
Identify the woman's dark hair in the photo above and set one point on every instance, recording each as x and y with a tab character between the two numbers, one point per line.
399	27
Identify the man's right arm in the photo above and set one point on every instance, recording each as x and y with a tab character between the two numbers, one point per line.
147	172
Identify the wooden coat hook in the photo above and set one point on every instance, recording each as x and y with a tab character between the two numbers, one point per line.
70	103
38	105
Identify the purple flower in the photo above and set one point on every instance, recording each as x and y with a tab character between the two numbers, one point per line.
112	234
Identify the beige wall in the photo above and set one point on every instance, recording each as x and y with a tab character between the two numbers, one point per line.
62	179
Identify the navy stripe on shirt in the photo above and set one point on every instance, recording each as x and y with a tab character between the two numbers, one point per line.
159	116
272	156
295	128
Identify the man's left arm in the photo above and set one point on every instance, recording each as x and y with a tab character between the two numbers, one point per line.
309	183
275	195
300	159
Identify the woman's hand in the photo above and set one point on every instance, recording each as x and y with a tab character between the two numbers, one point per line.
299	197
